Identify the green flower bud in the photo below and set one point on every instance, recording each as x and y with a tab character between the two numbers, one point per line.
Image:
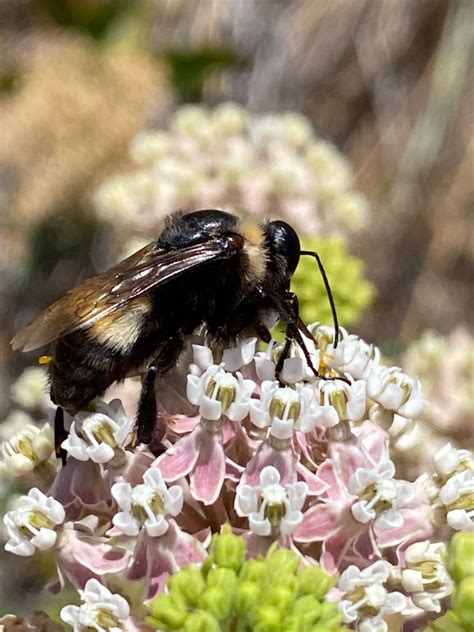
168	612
330	615
312	580
223	578
353	293
201	621
289	581
217	601
248	597
461	554
189	583
253	570
281	597
307	609
291	623
281	562
228	550
268	619
463	601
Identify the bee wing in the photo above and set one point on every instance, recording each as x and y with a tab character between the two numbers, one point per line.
101	295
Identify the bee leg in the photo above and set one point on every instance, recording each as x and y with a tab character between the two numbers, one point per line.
146	428
283	356
293	326
60	434
146	417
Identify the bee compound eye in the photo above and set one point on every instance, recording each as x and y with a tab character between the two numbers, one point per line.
285	242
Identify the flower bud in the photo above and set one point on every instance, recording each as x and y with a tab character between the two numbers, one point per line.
248	597
282	562
461	554
201	621
253	570
222	577
330	617
189	583
312	580
463	601
228	550
168	612
281	596
308	609
268	619
217	601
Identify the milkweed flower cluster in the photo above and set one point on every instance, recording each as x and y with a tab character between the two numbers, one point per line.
229	158
303	461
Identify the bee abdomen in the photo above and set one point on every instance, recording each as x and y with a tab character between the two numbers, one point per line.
81	371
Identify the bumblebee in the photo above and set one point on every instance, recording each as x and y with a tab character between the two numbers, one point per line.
206	268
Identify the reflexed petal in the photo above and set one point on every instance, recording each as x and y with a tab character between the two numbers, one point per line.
207	477
318	522
180	459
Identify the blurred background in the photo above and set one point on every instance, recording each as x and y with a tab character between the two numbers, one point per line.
352	119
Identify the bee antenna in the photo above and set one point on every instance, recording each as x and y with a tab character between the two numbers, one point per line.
314	254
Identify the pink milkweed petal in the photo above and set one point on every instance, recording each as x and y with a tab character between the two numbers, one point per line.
180	459
318	522
208	474
315	485
373	440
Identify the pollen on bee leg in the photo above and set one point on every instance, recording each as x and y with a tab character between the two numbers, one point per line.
45	359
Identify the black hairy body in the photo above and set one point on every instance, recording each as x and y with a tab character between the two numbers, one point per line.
206	268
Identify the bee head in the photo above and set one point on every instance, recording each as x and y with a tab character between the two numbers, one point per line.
283	241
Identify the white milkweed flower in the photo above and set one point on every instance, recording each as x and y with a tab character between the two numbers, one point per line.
31	389
425	575
295	367
352	355
457	495
31	525
284	409
340	401
449	461
380	496
97	435
146	504
396	391
233	358
26	449
366	599
101	610
271	506
220	393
